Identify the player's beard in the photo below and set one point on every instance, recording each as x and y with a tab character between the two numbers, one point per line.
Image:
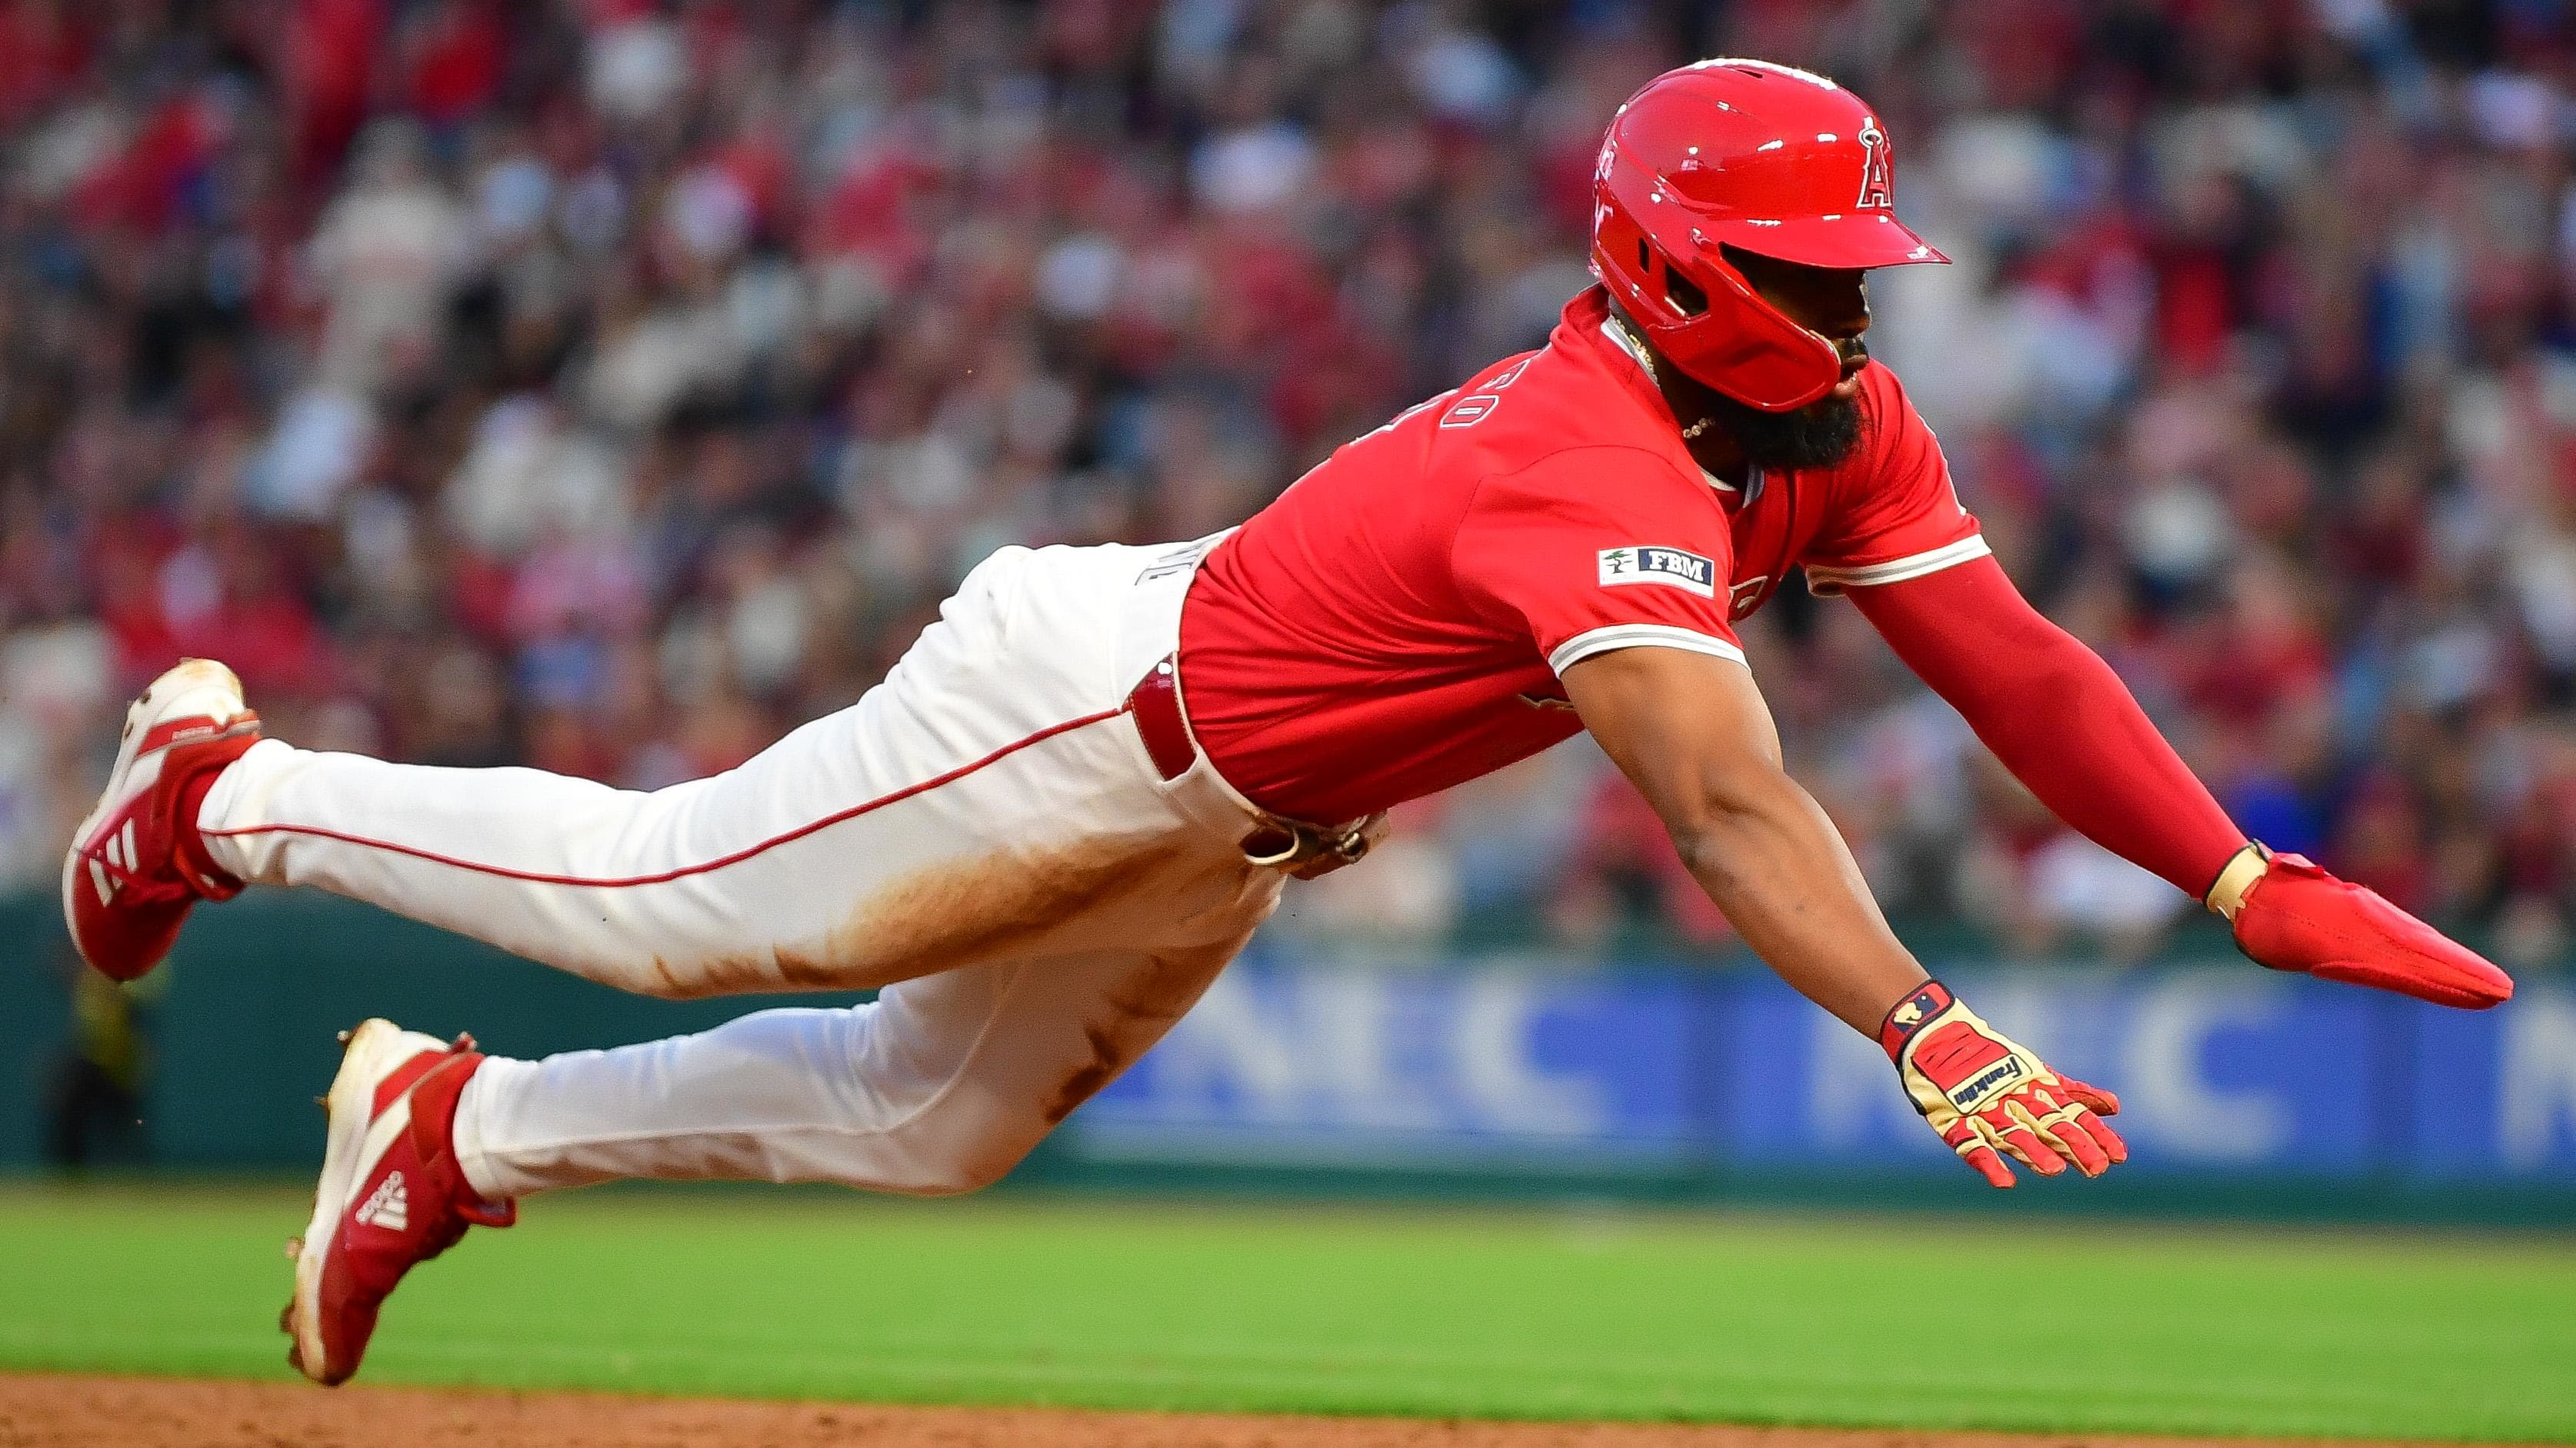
1818	435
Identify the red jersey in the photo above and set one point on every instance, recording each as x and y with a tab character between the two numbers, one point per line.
1395	623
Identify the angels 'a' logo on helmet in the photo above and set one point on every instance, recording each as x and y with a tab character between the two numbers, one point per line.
1877	179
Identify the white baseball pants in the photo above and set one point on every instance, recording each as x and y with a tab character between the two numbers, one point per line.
982	836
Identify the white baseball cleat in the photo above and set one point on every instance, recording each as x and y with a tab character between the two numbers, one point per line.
391	1193
136	866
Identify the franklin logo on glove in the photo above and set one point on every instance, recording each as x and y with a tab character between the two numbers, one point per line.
2005	1073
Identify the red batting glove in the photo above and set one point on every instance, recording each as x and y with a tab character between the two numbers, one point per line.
2290	915
1989	1098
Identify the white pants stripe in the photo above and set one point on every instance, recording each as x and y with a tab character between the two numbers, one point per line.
981	836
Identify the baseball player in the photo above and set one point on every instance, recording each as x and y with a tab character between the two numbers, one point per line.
1066	808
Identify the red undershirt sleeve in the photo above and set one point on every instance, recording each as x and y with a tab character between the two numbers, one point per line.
2058	718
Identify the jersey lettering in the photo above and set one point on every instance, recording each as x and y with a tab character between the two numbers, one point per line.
1475	408
1471	410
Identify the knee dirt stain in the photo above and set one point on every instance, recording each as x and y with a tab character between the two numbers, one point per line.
1088	1078
745	973
1160	993
806	972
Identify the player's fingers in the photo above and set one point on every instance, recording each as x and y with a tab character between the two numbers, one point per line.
2113	1145
1963	1137
2097	1103
2091	1098
1988	1165
2103	1136
2067	1127
2014	1129
2063	1128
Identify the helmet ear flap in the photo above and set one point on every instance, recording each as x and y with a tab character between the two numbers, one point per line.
1704	315
1682	294
1659	278
1765	360
1685	297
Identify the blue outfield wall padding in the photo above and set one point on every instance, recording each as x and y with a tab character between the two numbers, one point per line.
1491	1070
2223	1070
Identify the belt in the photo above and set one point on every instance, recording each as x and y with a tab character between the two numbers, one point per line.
1156	703
1301	849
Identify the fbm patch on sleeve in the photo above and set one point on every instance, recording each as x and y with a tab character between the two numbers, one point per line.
1672	567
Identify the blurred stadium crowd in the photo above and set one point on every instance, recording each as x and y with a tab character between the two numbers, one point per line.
608	385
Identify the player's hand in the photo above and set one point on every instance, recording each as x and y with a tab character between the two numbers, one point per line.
1989	1098
2290	915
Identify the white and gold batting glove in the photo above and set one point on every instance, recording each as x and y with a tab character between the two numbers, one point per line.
1986	1095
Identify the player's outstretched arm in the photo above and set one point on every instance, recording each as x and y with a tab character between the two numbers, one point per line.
1693	733
2064	724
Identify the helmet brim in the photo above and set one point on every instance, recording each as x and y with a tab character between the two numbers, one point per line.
1858	240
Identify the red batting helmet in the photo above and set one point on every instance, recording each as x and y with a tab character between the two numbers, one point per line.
1743	153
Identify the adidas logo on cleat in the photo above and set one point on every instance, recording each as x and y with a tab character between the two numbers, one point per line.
388	1207
121	856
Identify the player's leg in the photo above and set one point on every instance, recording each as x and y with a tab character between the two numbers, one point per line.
939	1086
985	790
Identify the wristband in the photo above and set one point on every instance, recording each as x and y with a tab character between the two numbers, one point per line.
2227	894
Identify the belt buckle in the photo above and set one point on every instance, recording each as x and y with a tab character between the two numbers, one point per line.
1275	845
1303	850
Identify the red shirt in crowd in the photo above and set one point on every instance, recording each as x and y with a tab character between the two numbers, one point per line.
1395	623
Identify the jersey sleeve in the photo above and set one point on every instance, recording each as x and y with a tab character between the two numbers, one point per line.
1895	514
1595	549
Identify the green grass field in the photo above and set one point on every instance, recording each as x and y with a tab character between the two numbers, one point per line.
1526	1315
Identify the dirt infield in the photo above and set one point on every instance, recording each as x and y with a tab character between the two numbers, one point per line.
40	1411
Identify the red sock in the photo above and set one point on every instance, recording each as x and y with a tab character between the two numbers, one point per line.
433	1128
194	862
